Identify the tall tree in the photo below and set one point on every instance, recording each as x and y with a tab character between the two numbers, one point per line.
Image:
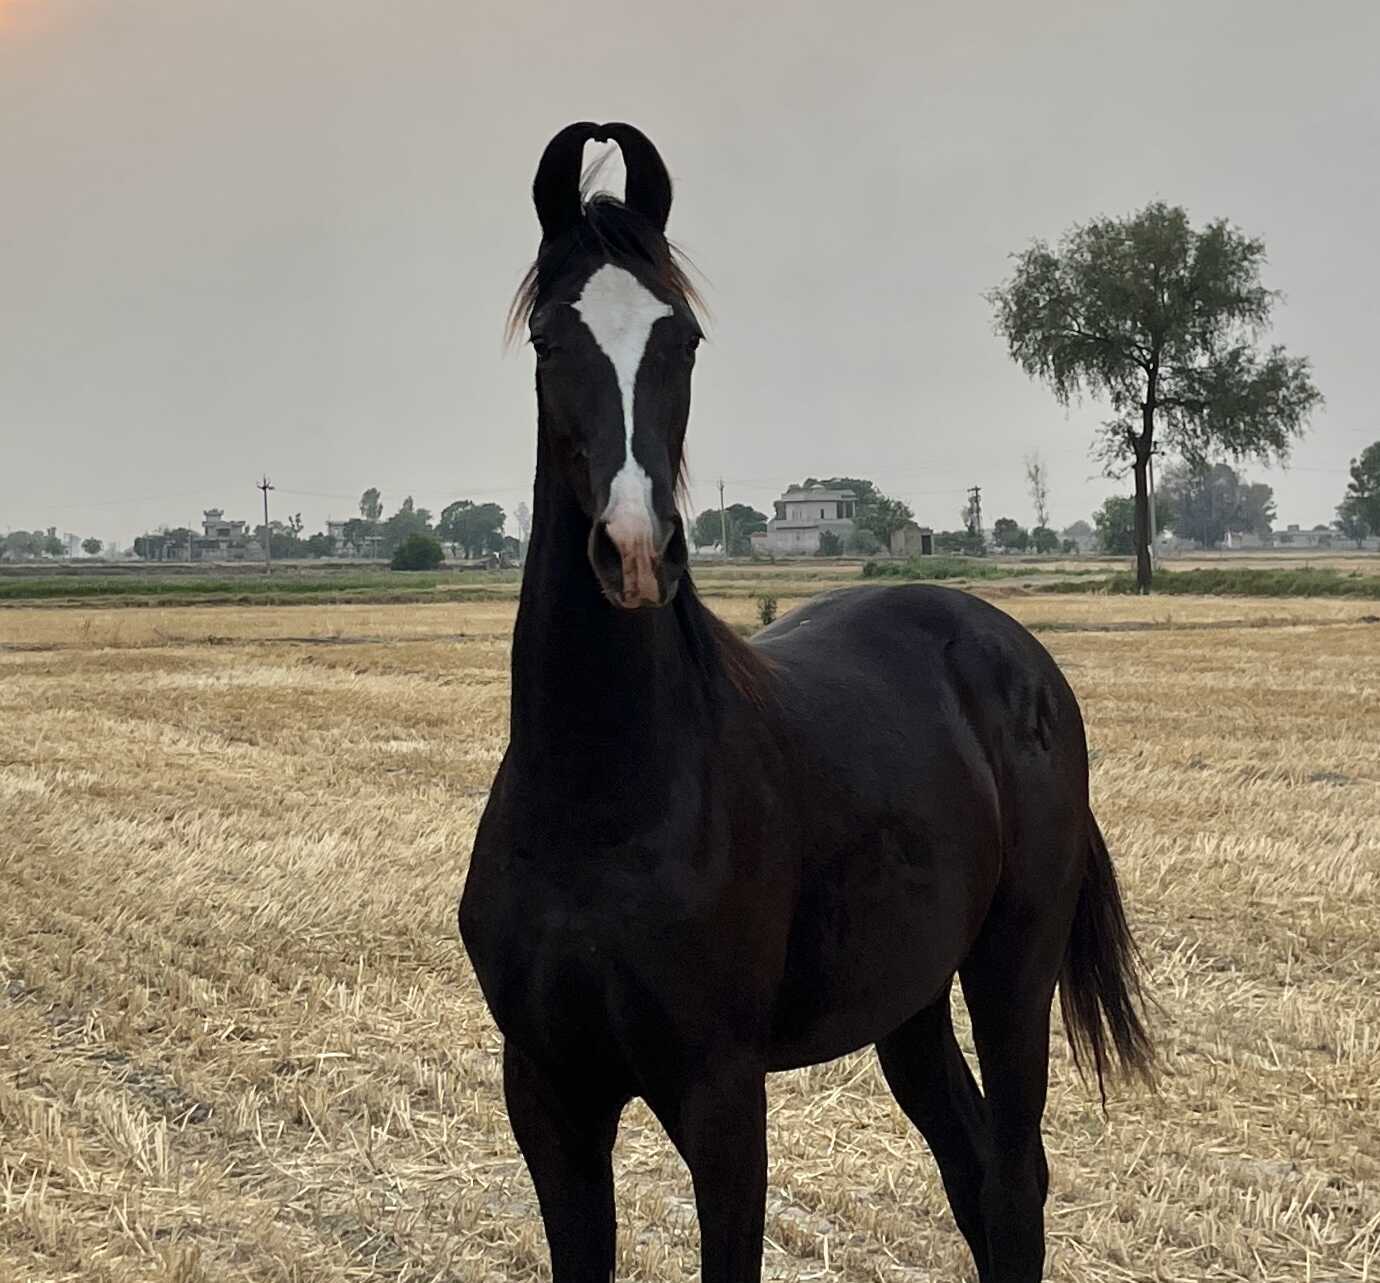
476	527
1206	502
706	530
883	516
1256	510
371	504
1116	525
1351	526
742	522
1037	482
1009	534
1162	321
1360	505
408	520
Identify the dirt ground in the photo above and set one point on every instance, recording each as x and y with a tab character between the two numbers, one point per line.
239	1039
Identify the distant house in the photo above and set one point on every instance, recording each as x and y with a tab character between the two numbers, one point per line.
912	541
221	539
1294	537
368	545
803	514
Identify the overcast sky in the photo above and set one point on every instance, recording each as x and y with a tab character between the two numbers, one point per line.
281	235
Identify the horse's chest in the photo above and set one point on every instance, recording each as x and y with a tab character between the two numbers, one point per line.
565	955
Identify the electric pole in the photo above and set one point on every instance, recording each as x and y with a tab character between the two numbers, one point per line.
975	509
266	485
723	519
1150	474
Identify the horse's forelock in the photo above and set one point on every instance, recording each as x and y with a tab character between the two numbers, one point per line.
608	231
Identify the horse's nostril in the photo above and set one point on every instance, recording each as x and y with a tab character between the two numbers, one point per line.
603	551
607	559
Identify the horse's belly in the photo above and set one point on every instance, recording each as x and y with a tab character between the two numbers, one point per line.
880	931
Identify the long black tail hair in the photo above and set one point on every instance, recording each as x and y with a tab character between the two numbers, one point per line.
1100	991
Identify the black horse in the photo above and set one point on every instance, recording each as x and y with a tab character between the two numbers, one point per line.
705	859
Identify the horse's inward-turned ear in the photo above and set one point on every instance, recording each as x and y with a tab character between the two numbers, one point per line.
556	188
648	189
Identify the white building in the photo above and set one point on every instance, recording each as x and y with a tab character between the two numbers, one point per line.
803	514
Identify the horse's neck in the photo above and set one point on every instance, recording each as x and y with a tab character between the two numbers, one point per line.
602	698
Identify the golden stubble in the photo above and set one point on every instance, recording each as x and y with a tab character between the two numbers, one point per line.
239	1038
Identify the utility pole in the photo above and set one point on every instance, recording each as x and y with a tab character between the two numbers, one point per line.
975	508
1150	476
266	485
723	519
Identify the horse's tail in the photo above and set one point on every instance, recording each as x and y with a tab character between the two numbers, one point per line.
1099	989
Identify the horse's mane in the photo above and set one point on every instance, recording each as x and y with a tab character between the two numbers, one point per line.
747	669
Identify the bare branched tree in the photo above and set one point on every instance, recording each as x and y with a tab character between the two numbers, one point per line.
1037	481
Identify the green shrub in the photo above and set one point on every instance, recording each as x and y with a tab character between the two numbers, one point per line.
863	542
1306	581
830	545
766	610
418	552
967	542
937	568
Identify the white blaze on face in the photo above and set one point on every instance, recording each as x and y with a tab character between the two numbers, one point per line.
619	311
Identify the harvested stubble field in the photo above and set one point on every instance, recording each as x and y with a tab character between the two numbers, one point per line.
239	1040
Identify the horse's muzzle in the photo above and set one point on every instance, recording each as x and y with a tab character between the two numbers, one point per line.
638	562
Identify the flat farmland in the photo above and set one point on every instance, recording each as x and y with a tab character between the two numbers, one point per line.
239	1039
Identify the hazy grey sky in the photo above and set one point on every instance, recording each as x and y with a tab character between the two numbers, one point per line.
281	236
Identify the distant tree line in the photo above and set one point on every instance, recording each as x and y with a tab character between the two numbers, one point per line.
41	545
1358	514
464	529
1202	503
31	545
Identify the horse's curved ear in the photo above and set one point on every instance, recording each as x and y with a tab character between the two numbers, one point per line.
648	189
556	188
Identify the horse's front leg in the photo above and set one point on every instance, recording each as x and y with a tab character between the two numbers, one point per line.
718	1122
566	1129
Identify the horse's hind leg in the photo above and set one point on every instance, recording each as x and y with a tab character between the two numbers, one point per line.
931	1081
1008	989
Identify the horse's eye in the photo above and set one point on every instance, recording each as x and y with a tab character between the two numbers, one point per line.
541	347
692	343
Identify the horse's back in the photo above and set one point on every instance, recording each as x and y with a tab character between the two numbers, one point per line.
917	655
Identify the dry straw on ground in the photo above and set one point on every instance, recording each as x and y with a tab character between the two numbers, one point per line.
239	1040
